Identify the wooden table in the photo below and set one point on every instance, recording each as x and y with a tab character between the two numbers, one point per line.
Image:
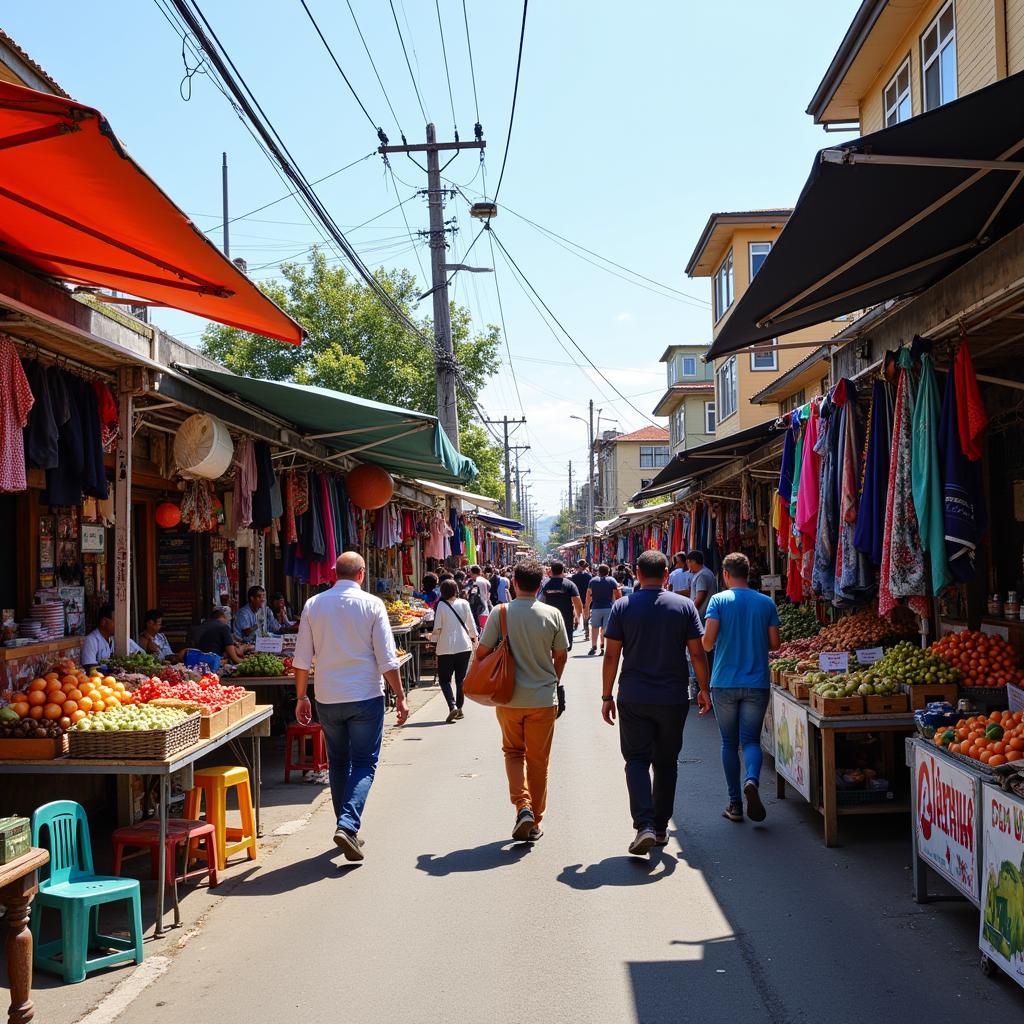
824	796
251	727
18	884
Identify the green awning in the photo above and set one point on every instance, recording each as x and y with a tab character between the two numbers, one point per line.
410	444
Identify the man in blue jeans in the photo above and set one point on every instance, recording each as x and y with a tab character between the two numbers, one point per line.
741	626
651	629
346	631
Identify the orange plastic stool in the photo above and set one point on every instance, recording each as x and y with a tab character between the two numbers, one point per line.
305	750
212	785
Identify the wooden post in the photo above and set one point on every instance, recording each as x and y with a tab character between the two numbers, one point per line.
123	511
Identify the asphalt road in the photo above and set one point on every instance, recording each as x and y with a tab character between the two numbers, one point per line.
448	921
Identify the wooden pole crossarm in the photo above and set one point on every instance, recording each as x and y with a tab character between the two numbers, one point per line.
427	147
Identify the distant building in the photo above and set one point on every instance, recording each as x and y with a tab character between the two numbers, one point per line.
625	463
689	402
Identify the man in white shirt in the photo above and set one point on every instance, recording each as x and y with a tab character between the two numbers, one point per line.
679	578
346	631
98	646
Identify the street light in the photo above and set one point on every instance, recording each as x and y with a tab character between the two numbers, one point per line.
590	459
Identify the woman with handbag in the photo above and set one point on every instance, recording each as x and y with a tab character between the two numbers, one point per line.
454	635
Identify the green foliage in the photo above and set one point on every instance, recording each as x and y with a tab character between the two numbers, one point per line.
356	347
563	530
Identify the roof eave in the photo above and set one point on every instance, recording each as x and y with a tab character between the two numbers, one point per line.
736	219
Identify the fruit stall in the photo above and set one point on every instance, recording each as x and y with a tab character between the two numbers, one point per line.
68	722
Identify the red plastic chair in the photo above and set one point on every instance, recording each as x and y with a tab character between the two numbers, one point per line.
305	750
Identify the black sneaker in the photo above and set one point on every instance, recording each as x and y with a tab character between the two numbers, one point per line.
525	823
642	843
755	809
660	838
591	652
734	812
460	714
349	844
453	715
535	834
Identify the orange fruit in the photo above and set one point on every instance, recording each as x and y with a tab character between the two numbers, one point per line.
1016	743
64	723
37	684
36	698
21	708
111	702
75	694
51	675
36	711
70	679
69	706
77	716
1014	755
985	756
85	704
109	681
995	760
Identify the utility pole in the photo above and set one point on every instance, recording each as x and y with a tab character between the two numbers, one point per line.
224	202
444	351
570	497
504	424
590	489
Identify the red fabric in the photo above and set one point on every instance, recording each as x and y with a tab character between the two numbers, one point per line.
972	419
77	207
108	414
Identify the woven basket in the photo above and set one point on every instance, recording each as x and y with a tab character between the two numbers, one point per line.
151	745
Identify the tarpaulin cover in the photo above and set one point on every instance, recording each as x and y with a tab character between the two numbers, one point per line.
864	233
410	444
75	206
493	519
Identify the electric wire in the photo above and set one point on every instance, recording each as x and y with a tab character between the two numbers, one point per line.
504	329
419	258
387	99
327	46
512	112
416	88
472	69
444	53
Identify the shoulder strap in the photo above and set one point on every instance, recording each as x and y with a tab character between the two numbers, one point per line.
458	616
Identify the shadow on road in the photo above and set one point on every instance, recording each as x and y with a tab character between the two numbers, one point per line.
479	858
619	871
293	876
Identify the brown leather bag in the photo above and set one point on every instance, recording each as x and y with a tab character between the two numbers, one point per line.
492	679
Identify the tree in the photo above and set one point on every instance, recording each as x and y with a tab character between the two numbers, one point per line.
355	346
562	531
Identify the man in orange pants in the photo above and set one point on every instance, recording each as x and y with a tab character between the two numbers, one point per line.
538	642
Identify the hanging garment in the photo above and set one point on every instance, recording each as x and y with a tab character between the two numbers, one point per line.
17	401
903	567
276	499
828	449
41	432
262	503
964	514
810	477
926	475
456	534
197	506
107	409
322	569
245	483
798	460
854	575
972	417
868	537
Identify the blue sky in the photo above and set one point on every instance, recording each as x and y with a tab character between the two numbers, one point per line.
633	123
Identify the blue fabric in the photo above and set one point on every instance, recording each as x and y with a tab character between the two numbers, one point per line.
740	712
870	531
654	626
602	591
353	731
741	647
456	539
786	472
963	499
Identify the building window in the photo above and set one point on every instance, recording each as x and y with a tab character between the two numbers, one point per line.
709	417
793	402
722	287
897	96
938	59
758	254
653	456
677	426
727	396
673	371
765	360
689	366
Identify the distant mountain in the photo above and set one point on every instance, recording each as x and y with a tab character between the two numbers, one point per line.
544	527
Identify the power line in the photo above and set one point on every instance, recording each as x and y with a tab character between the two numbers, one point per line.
416	87
472	70
444	53
327	46
504	329
419	258
576	345
373	65
515	93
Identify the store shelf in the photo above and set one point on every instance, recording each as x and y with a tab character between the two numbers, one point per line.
44	647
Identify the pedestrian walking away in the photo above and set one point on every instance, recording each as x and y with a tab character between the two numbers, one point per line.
680	576
650	630
742	626
454	634
346	631
602	593
562	594
581	580
538	641
478	593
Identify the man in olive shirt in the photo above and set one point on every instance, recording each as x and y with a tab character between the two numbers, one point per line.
537	638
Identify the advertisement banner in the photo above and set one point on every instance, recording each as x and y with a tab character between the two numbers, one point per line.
792	753
946	819
1001	935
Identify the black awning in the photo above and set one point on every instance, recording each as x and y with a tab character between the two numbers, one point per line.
890	213
706	458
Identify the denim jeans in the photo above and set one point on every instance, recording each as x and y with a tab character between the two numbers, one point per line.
740	711
651	736
353	731
449	665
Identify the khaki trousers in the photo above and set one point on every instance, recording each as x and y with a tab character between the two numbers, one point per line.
526	735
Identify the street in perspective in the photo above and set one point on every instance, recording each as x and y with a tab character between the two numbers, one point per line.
512	513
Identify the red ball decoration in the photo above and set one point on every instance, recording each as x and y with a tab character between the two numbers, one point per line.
167	515
369	486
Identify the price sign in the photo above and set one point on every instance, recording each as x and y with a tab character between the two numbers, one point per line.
771	582
869	655
269	644
833	661
1015	696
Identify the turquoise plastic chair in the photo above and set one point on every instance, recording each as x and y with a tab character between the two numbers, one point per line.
71	888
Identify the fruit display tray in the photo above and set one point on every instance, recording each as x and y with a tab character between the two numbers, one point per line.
33	750
148	745
888	704
923	694
990	698
829	706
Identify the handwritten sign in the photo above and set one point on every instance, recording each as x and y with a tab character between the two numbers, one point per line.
94	538
771	582
869	655
1015	696
1000	631
833	661
269	644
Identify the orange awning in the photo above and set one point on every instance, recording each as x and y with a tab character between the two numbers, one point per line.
75	206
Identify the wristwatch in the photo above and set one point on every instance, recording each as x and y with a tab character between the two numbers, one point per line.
603	697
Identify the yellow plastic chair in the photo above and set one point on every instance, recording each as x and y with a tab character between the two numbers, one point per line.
211	788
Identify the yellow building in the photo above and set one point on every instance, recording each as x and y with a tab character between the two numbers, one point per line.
730	251
900	59
625	463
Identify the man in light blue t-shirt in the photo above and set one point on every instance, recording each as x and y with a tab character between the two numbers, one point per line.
741	627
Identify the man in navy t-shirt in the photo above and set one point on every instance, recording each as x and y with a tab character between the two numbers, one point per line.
651	630
602	592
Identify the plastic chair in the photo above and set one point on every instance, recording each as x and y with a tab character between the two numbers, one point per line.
194	657
212	785
72	888
146	835
305	750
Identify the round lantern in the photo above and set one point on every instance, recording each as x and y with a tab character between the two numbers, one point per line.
369	486
167	515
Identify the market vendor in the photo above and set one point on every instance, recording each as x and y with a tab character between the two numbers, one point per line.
252	616
431	591
214	636
280	621
152	640
98	645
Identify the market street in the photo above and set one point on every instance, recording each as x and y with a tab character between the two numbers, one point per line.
448	921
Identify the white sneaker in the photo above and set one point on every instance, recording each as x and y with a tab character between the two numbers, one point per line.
644	841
